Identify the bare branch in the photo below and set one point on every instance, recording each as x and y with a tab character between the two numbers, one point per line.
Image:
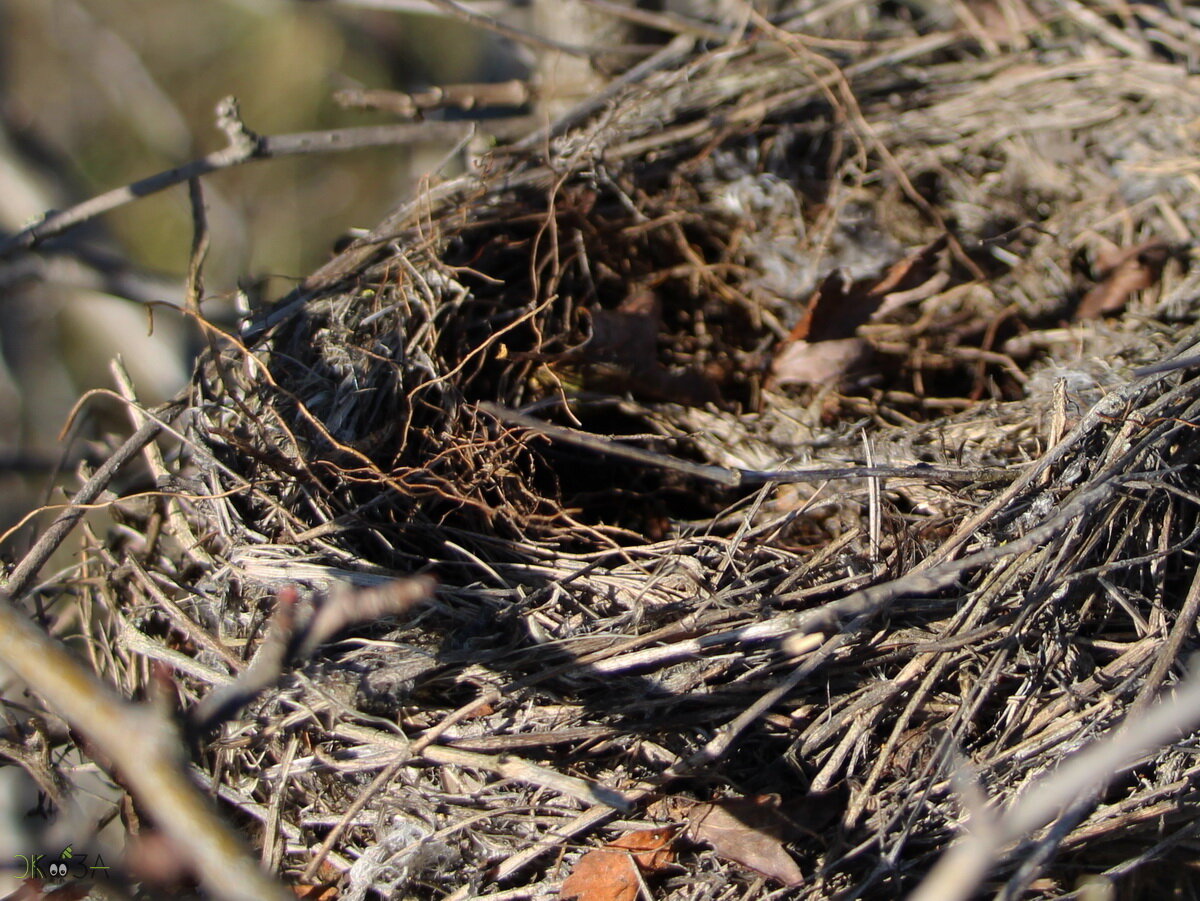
247	148
296	631
958	874
23	574
144	752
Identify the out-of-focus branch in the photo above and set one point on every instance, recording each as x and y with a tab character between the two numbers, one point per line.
145	753
513	92
958	874
297	630
244	148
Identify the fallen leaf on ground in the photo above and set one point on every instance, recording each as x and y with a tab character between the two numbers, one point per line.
611	873
748	831
1123	272
824	346
653	847
839	306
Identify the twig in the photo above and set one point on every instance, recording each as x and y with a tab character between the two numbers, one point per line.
295	633
344	607
382	778
960	871
181	621
457	96
1168	655
176	520
145	755
236	154
871	600
734	477
23	574
507	766
194	293
264	670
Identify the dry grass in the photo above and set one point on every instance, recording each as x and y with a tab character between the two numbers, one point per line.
608	632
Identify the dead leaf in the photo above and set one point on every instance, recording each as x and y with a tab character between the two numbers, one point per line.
748	831
611	873
824	346
838	307
1121	274
819	363
602	875
654	845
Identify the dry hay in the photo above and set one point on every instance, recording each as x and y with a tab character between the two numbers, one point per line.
603	624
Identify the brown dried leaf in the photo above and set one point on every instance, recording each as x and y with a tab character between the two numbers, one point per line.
1121	274
824	347
602	875
819	363
654	847
611	873
747	831
838	307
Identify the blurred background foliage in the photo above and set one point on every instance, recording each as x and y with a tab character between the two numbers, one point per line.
95	94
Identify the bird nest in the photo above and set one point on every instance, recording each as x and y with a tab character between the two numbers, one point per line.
770	427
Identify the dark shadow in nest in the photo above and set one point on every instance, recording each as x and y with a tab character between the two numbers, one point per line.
599	308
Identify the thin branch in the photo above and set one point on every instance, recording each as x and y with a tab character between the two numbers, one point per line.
265	670
1084	774
297	630
145	755
23	574
250	148
467	97
732	477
